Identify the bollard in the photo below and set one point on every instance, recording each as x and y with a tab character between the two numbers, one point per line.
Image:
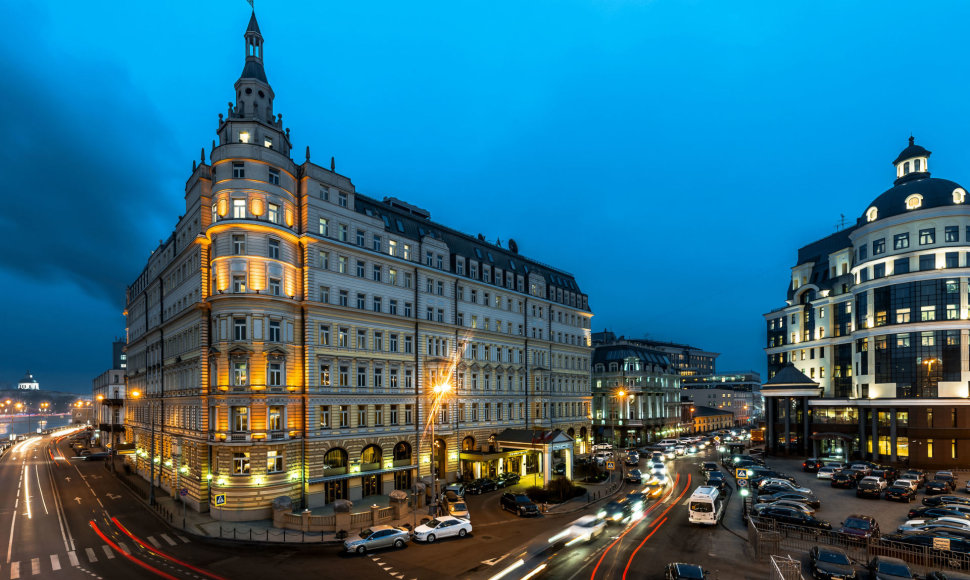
250	534
234	532
284	535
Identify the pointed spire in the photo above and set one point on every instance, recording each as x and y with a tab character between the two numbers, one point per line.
307	152
203	156
253	25
254	52
333	165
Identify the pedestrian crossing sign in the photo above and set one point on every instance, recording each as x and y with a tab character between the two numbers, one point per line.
220	499
610	465
741	473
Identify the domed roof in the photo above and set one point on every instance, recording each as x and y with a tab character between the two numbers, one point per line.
933	192
913	150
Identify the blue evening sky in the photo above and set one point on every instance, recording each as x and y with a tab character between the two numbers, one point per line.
673	155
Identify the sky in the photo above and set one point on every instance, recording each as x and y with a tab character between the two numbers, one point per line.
672	155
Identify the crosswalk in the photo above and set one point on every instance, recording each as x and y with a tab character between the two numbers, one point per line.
90	555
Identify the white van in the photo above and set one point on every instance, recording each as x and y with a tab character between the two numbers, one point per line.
706	506
666	442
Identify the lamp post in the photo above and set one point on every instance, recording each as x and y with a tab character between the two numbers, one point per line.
439	391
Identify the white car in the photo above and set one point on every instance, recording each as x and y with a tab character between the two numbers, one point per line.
680	449
442	527
946	521
585	529
826	472
861	468
912	483
658	468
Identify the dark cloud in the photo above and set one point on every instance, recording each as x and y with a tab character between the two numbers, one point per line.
86	166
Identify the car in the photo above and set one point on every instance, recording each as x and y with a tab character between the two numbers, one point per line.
634	476
948	477
637	499
679	571
507	479
868	488
831	563
946	499
680	450
860	526
587	528
458	509
836	464
657	457
717	479
811	465
911	483
918	474
792	516
967	487
846	479
826	472
809	500
480	486
900	493
616	511
886	568
559	469
376	537
786	503
442	527
773	489
863	468
875	479
887	473
99	456
456	488
658	467
936	487
783	483
939	512
632	458
708	466
945	521
938	575
84	453
519	504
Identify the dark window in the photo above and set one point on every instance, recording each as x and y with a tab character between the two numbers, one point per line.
879	271
878	246
951	234
927	236
900	241
927	262
863	252
864	275
901	266
952	260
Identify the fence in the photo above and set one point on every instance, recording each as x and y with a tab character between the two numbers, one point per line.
271	535
785	568
769	537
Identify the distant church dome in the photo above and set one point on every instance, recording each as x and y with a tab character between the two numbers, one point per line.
28	383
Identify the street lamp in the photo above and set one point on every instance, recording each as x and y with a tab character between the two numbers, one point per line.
439	391
151	458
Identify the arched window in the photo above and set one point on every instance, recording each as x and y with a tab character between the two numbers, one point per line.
905	168
914	201
959	195
871	214
335	458
402	451
371	454
917	164
468	443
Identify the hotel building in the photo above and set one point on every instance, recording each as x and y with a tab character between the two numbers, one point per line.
869	354
286	338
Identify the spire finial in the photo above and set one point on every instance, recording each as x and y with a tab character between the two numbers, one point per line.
333	165
911	139
307	152
203	156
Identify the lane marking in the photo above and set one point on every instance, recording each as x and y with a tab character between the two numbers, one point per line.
107	552
35	566
154	542
40	489
130	558
124	548
55	562
72	557
14	570
183	538
90	552
170	541
158	553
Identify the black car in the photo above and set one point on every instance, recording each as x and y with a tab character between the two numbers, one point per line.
887	473
946	499
936	487
846	479
860	526
792	516
812	464
868	489
634	476
809	500
519	504
480	486
616	511
885	568
935	512
900	493
940	575
831	563
559	469
708	466
507	479
637	499
947	477
678	571
99	456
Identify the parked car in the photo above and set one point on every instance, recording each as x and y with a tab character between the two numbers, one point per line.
443	527
376	537
860	526
678	571
506	479
616	511
936	487
804	507
887	473
792	516
519	504
634	476
945	522
831	563
559	469
783	484
886	568
946	499
826	472
861	468
717	479
846	479
882	483
480	486
939	512
708	466
868	488
918	474
811	465
809	500
948	477
586	528
911	483
900	493
456	488
939	575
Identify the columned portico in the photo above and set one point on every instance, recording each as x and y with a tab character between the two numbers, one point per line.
787	393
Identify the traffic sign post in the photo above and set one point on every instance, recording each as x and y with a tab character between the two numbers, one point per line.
741	473
220	499
611	465
742	483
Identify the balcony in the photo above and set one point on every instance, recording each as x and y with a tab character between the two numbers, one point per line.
113	402
277	435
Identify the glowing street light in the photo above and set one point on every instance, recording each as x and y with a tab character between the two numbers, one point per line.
439	391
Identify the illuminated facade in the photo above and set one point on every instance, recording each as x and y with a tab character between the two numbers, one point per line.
869	354
28	383
284	340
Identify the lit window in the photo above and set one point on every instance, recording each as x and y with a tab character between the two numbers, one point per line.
274	461
871	214
267	143
239	208
914	201
244	136
959	195
240	463
273	213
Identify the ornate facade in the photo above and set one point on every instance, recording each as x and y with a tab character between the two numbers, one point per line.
284	341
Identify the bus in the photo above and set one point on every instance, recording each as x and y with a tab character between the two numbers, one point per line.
706	506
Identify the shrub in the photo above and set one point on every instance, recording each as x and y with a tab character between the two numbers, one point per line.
537	494
561	489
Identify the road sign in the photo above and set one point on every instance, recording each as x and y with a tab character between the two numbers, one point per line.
741	473
717	439
742	483
184	491
611	465
220	499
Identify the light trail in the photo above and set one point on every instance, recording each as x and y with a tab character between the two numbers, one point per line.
663	515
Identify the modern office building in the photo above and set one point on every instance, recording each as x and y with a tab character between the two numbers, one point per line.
287	338
636	393
869	354
738	392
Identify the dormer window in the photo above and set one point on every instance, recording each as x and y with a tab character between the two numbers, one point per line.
871	214
244	136
906	168
959	195
267	143
917	165
914	201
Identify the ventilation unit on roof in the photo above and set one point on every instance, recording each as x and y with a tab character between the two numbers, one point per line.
404	206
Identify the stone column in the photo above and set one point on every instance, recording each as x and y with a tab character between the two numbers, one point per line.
769	424
806	426
875	435
892	435
787	402
862	434
569	463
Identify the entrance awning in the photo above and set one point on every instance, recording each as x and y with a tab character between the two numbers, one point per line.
827	436
359	474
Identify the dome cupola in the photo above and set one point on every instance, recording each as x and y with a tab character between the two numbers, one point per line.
912	163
